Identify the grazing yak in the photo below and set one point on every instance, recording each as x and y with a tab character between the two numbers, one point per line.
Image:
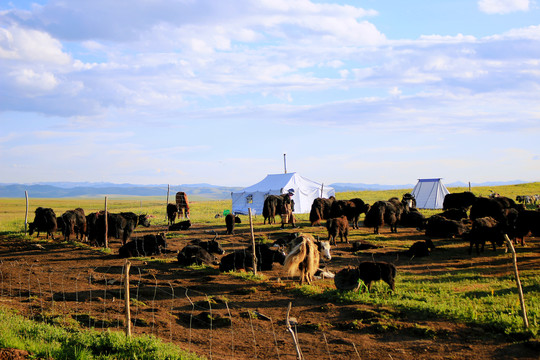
338	226
172	212
74	222
120	226
485	229
384	212
146	246
349	208
368	272
230	220
60	224
243	259
320	210
524	199
271	206
527	222
462	200
44	221
182	225
497	208
281	205
420	249
377	270
438	226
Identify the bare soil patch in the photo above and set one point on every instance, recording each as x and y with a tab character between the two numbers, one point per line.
224	317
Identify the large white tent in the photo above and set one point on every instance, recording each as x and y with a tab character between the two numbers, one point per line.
305	191
430	193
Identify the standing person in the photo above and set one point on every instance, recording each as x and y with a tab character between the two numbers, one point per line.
287	208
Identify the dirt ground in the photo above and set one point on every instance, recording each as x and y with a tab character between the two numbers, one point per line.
220	316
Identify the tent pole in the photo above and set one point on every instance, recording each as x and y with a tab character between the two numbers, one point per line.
285	162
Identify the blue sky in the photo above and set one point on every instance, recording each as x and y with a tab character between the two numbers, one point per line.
178	92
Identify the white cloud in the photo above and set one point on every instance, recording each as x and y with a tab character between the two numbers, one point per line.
34	83
394	91
503	6
28	45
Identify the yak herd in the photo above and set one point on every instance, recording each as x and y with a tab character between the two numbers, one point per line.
475	219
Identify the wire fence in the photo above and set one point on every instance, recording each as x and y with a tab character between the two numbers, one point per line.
207	324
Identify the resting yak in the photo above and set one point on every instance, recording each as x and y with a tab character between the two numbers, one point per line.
243	259
146	246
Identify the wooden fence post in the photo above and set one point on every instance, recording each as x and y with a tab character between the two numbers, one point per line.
26	213
167	204
106	226
295	340
127	266
252	243
520	290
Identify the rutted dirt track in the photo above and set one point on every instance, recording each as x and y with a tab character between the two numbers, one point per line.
176	303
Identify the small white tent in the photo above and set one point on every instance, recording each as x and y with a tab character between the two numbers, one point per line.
305	191
429	193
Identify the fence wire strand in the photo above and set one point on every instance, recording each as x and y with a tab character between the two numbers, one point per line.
168	303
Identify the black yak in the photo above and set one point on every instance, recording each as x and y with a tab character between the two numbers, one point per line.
320	210
146	246
44	221
230	220
182	225
338	226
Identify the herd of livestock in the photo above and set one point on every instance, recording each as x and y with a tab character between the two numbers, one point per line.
475	219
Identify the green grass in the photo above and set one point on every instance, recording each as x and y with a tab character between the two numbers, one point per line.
465	296
248	275
46	341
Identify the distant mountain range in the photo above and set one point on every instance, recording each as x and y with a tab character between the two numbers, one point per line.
202	191
63	189
342	187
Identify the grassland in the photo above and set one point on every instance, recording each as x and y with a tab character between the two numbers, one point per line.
12	210
476	291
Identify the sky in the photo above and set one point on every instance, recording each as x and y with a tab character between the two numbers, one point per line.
208	91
